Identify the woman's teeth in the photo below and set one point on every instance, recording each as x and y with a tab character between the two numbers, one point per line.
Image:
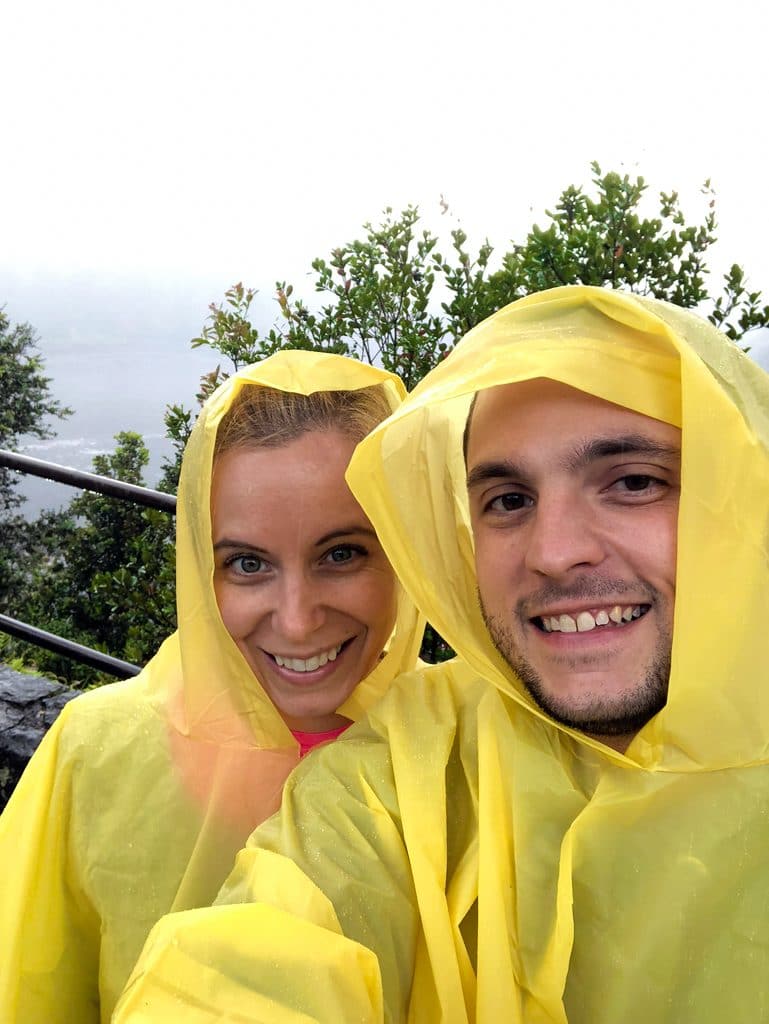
585	621
316	661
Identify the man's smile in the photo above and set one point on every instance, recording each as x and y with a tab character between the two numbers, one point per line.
586	620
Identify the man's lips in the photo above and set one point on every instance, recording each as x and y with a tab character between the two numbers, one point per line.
588	619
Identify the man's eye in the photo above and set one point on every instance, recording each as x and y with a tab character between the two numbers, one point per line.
638	482
510	502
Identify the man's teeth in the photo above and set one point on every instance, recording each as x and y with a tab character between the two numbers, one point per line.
585	621
317	660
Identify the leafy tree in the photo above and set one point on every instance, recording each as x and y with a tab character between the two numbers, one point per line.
605	240
377	292
107	577
27	403
391	298
738	311
25	409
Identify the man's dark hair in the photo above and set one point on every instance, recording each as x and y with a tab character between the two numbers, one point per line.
466	434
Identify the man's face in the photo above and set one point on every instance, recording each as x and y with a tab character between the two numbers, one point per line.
574	505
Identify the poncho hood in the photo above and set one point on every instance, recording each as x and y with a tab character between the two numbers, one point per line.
213	693
655	359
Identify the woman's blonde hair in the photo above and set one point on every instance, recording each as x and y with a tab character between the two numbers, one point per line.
262	417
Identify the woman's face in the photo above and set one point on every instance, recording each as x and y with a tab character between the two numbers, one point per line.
302	585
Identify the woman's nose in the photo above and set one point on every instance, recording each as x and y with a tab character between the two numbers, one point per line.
299	610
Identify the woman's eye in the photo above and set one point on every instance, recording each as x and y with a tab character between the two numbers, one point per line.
343	554
246	565
513	501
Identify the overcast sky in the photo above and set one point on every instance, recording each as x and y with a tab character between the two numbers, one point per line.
179	141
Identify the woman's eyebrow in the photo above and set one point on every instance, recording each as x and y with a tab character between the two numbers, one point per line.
345	531
226	542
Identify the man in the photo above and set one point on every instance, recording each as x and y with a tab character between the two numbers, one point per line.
574	504
569	822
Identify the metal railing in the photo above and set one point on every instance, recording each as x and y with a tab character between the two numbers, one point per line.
68	648
89	481
101	485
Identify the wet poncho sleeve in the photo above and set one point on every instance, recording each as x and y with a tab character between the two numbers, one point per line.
339	979
285	954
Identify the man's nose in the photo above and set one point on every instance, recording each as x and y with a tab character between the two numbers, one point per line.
299	611
564	535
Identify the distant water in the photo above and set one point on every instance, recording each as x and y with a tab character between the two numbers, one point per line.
117	357
111	385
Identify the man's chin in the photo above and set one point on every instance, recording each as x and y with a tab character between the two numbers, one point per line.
595	714
576	700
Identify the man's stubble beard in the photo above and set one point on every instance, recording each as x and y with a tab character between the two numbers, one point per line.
623	715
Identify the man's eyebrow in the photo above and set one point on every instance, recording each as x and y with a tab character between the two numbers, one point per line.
499	468
590	451
627	444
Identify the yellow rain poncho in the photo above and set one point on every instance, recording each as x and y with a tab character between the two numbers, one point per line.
143	791
485	863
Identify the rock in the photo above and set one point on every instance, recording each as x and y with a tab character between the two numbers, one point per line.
28	706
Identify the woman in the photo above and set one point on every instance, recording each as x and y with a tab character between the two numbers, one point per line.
291	625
